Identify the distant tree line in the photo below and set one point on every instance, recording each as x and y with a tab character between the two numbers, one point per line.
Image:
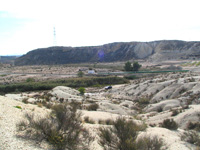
132	67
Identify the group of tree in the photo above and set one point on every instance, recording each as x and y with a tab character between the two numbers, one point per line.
132	67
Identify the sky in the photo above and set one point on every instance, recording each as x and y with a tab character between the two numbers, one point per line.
29	24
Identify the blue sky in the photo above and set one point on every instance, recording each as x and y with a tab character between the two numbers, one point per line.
28	24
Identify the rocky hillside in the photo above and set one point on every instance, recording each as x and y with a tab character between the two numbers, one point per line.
153	51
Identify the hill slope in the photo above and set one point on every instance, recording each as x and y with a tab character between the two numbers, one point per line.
155	51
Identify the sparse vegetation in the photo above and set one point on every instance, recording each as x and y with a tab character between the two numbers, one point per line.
62	128
123	136
194	126
192	137
150	143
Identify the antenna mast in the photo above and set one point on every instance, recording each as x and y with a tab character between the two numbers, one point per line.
54	35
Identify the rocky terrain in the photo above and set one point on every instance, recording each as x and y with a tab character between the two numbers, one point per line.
152	51
151	100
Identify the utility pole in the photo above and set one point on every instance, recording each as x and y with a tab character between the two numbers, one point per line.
54	35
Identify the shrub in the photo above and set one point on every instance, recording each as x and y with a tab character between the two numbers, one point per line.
81	90
149	143
191	137
62	128
109	122
88	120
175	112
19	107
144	101
80	74
122	136
169	124
194	126
128	66
30	80
136	66
93	107
160	109
25	100
131	77
106	122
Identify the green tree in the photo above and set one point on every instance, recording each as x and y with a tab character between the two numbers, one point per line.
136	66
80	74
128	66
81	90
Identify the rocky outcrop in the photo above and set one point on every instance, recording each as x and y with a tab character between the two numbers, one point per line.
153	51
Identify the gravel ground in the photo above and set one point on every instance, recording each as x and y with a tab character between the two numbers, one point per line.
9	117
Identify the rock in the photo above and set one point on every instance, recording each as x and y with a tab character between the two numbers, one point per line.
63	93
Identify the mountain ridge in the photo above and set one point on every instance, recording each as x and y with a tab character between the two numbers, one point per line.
117	51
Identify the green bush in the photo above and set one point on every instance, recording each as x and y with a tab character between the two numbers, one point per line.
128	66
131	77
136	66
70	82
169	124
81	90
19	107
30	80
80	74
62	128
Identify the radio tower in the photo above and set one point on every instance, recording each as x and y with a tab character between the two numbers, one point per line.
54	35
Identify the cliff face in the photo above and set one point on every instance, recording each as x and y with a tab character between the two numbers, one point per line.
153	51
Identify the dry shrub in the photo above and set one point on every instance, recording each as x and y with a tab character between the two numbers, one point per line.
150	143
61	128
192	137
169	124
88	120
93	107
121	136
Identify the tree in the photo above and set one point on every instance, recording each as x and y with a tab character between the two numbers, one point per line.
80	74
136	66
128	66
81	90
